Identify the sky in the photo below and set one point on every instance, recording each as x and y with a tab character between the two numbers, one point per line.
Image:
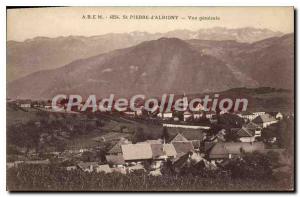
28	23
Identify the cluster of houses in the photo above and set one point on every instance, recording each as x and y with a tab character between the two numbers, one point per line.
253	130
125	157
183	149
187	115
263	119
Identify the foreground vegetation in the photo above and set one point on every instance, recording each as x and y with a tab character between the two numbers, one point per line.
252	173
49	179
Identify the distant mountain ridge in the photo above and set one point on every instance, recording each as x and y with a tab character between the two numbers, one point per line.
167	65
43	53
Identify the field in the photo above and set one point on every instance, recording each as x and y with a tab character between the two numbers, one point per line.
82	128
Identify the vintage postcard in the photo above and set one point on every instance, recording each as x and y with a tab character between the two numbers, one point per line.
150	99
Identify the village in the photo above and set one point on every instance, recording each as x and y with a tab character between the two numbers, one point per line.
188	139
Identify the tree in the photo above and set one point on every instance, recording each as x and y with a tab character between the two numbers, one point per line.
178	114
139	135
88	156
230	121
165	134
253	165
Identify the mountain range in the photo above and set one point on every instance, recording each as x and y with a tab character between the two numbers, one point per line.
167	65
42	53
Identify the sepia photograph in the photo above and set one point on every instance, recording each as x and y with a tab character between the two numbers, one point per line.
150	99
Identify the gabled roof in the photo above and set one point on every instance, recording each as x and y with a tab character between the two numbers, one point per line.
183	147
159	150
115	159
264	118
179	138
117	147
244	132
252	126
193	134
136	151
169	150
235	130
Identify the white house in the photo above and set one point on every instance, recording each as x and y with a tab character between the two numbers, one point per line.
256	129
265	120
246	135
136	152
259	113
165	115
129	113
247	116
139	112
133	154
186	115
24	103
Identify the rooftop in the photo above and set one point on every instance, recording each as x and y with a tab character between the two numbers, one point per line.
264	118
221	150
183	147
115	159
244	132
136	151
252	126
117	147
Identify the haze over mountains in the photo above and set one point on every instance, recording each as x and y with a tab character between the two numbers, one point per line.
164	65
